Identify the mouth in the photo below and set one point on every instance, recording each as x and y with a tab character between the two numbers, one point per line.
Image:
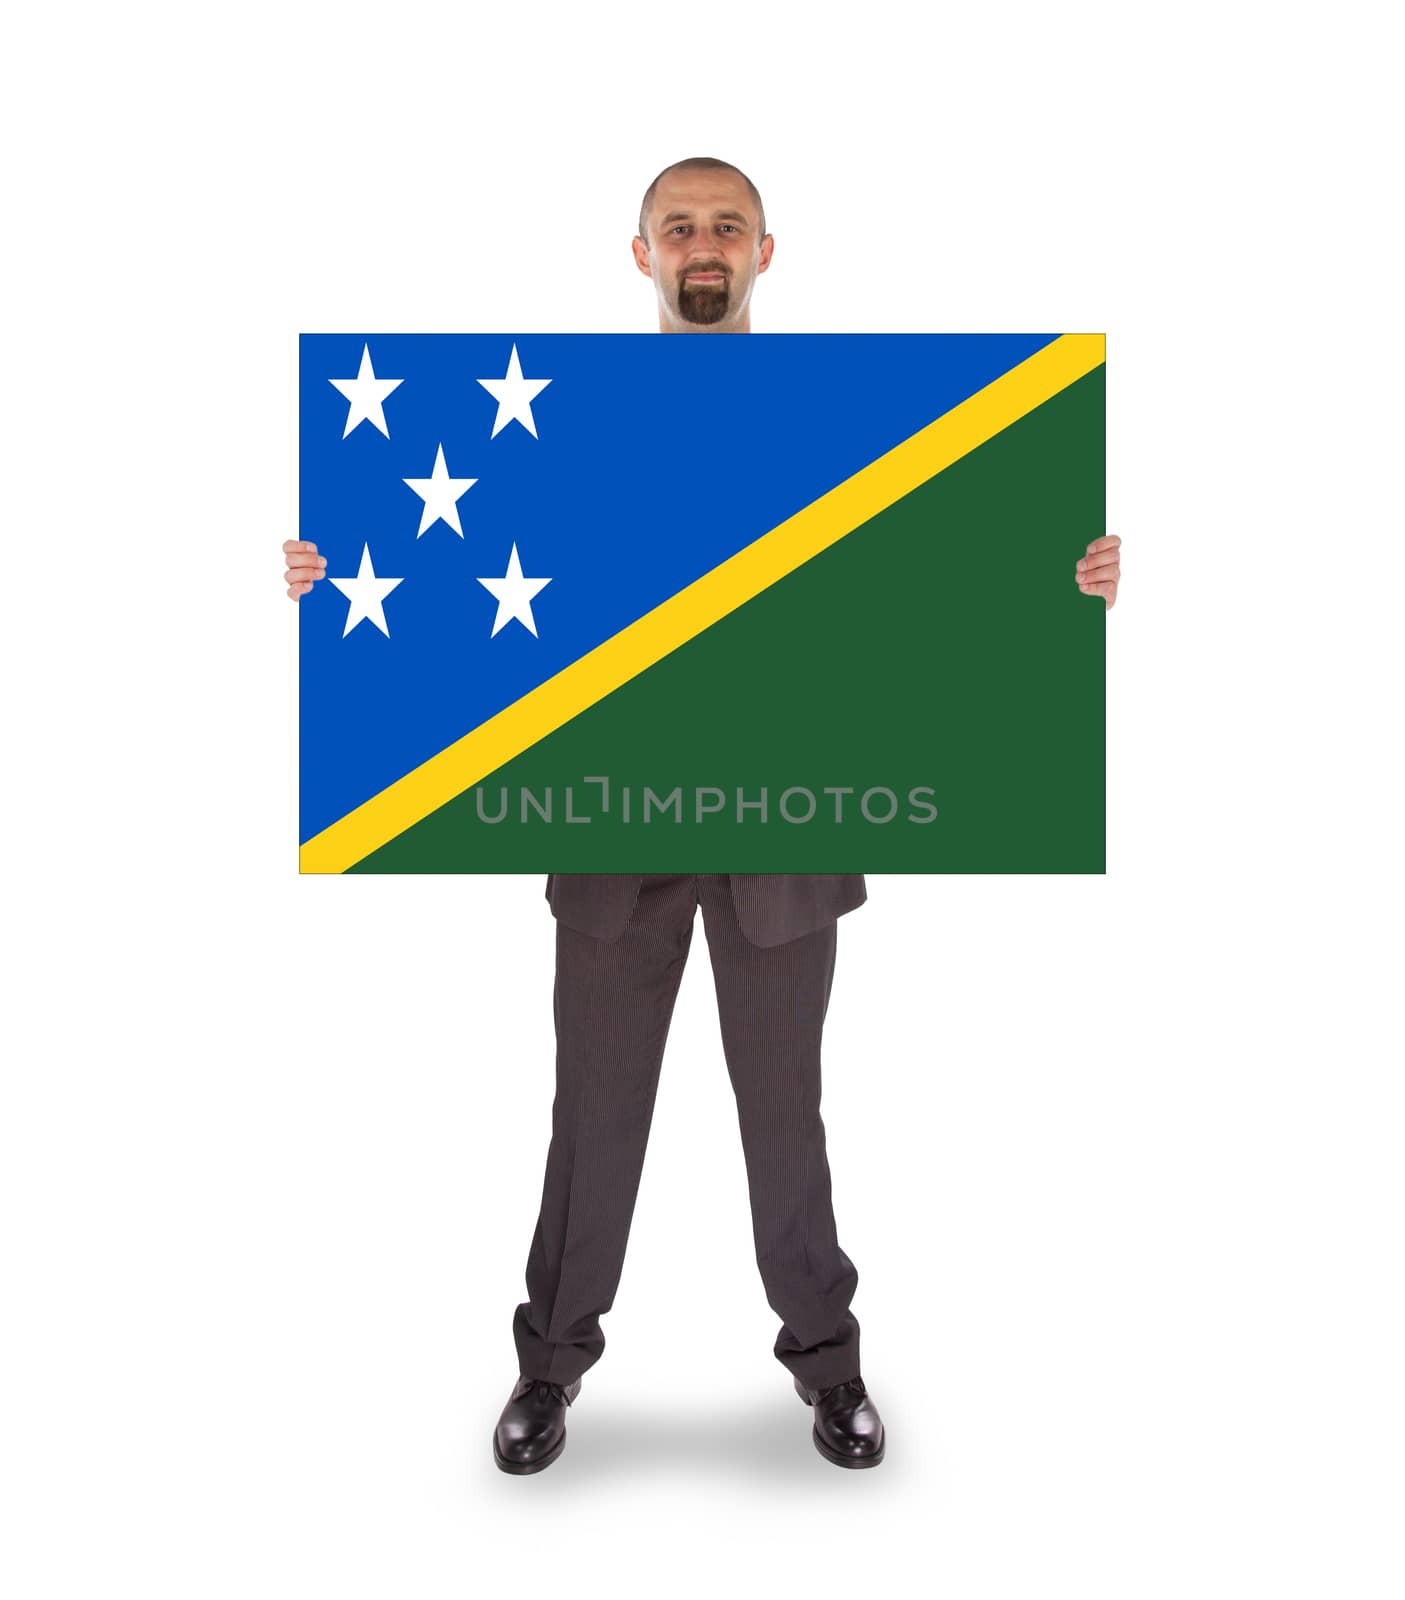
704	277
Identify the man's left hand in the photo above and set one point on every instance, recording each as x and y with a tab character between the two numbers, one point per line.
1099	571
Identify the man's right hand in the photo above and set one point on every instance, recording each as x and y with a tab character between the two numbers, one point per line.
305	566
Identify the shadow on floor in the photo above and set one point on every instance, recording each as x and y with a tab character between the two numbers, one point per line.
768	1443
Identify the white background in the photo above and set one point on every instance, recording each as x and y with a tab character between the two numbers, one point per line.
1118	1160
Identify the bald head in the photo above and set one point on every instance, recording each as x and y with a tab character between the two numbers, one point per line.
700	164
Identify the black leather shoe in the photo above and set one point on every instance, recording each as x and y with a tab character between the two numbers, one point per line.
848	1430
531	1431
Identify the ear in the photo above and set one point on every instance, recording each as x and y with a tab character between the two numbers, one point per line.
764	259
641	256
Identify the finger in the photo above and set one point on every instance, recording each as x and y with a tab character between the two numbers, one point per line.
1107	590
1100	563
1109	541
307	575
299	547
308	564
298	590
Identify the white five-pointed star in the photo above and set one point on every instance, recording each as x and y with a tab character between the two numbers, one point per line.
366	392
365	591
513	594
441	495
514	395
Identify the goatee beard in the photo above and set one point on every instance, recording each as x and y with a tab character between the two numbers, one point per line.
705	303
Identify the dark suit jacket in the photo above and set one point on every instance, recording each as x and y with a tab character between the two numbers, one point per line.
772	908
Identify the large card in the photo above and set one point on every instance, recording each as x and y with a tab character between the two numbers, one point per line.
633	603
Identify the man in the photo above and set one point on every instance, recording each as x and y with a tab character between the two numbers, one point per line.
621	944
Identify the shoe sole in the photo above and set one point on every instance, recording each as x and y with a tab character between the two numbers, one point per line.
520	1468
843	1460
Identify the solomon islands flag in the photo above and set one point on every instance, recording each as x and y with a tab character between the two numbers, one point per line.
630	603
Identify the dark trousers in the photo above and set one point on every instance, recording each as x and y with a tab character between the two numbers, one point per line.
613	1004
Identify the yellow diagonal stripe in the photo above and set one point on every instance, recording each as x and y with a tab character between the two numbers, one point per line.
738	579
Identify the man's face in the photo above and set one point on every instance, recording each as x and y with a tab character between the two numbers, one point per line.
704	250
